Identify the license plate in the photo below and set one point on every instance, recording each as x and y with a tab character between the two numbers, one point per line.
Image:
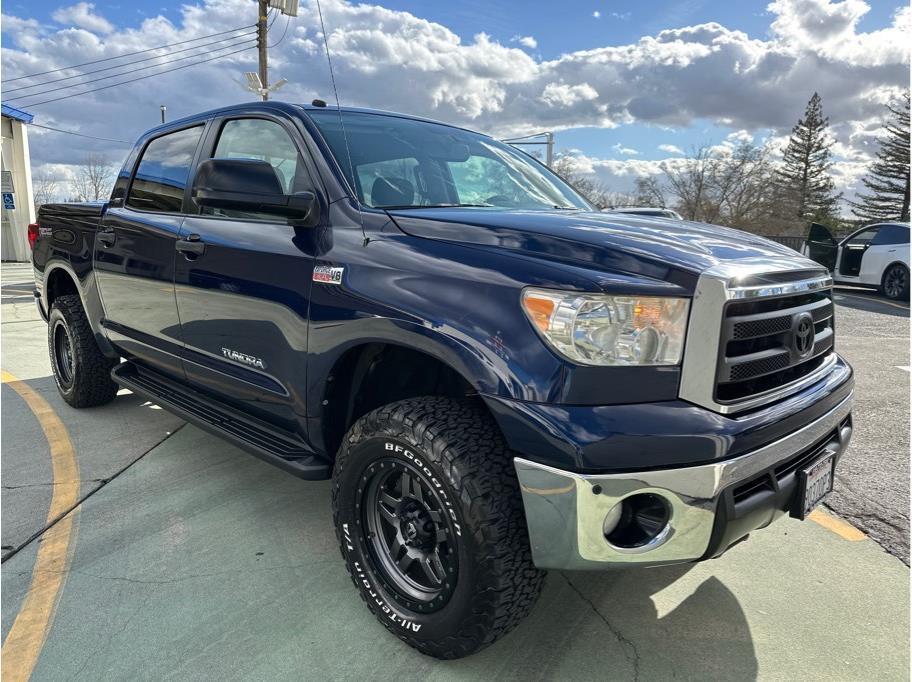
816	482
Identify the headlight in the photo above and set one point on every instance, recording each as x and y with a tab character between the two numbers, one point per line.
598	329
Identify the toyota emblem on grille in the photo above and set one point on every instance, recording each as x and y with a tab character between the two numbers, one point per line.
803	334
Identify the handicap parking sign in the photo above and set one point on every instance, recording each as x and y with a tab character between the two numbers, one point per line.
8	201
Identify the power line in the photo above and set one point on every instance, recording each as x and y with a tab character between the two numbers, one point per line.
70	132
118	66
287	21
32	105
127	54
124	73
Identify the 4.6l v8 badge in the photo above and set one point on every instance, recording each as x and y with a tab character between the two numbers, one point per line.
328	274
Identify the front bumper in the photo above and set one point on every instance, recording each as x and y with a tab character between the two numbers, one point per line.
711	506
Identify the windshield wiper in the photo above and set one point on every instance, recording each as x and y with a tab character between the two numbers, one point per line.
398	208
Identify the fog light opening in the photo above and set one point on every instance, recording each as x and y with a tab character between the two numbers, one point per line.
637	521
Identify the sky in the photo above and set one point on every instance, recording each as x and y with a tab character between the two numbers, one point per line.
626	86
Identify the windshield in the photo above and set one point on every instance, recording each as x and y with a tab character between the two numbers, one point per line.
403	163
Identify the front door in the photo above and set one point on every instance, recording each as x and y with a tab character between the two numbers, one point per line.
242	293
134	254
821	246
852	251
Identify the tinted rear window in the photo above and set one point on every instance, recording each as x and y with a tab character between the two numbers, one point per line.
891	234
161	176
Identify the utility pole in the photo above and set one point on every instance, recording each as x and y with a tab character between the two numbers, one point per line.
258	82
263	8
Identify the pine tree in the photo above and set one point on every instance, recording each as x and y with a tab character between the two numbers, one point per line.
804	179
888	177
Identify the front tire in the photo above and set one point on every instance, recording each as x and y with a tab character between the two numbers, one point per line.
429	517
895	282
81	370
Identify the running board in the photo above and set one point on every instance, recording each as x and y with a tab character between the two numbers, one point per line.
265	441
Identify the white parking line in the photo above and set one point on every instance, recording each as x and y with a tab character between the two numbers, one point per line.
903	367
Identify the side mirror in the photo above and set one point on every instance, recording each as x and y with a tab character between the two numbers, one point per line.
249	185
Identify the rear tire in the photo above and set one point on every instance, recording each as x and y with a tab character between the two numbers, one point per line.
429	482
81	370
895	282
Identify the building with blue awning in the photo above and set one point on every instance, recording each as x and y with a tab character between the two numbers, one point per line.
18	205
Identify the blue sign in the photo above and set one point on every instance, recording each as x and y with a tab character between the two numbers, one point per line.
9	202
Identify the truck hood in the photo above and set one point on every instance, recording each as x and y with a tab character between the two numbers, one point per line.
653	247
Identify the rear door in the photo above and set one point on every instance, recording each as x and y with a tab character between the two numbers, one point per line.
243	301
134	252
890	244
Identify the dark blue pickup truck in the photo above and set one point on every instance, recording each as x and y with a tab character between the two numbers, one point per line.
497	378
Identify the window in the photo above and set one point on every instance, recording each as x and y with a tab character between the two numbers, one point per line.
890	235
161	176
863	238
258	138
393	171
408	163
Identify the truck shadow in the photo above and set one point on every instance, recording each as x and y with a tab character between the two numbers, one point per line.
615	621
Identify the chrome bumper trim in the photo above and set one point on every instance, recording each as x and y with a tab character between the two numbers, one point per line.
565	510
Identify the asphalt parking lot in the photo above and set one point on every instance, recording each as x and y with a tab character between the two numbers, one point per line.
137	547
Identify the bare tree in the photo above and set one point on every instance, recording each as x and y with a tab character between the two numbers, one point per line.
44	189
649	192
690	182
94	178
733	187
596	192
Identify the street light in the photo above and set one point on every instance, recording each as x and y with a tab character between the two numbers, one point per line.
163	110
254	84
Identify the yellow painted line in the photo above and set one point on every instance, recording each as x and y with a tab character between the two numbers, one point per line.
26	637
844	530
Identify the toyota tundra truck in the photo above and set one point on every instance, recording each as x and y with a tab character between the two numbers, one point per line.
498	378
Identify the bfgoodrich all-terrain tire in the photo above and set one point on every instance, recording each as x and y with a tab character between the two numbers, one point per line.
429	516
82	372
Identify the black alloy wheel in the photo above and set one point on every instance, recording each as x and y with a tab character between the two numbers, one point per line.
63	353
411	535
896	282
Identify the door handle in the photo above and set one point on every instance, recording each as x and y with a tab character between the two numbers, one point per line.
107	237
191	246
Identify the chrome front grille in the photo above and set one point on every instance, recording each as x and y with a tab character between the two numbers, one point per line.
742	350
758	347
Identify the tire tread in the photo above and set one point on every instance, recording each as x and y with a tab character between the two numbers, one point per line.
463	439
92	383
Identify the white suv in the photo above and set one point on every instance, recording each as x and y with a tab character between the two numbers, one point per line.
876	255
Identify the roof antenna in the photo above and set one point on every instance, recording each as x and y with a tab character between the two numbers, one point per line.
332	77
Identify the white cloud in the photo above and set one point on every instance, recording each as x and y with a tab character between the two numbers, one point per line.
394	60
626	151
525	41
740	136
597	14
82	15
561	94
670	149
